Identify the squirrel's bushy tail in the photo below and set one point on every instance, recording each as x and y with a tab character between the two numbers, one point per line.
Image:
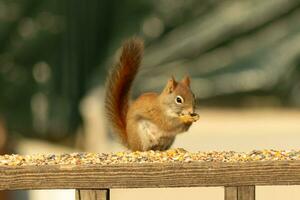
119	83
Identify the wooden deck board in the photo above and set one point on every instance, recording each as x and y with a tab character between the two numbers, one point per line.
152	175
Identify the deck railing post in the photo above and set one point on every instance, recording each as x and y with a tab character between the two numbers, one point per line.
240	193
95	194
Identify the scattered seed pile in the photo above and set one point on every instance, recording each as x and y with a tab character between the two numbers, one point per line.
172	155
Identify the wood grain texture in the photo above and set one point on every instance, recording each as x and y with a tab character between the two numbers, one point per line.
101	194
152	175
231	193
246	193
240	193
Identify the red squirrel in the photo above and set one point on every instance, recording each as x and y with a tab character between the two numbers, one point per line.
152	121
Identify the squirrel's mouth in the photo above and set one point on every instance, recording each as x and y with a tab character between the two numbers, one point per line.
189	114
194	114
191	117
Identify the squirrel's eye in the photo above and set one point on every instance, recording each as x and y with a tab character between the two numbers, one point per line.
179	100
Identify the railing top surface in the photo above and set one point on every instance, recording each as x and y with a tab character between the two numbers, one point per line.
171	172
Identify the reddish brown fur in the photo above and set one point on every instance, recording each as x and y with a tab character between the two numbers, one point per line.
119	83
153	120
150	106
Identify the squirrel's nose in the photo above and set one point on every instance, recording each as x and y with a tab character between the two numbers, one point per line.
190	110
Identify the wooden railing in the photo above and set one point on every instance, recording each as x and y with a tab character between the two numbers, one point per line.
94	181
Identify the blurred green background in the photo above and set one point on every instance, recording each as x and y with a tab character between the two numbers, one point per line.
52	52
239	53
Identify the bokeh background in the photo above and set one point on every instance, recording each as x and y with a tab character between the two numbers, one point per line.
243	57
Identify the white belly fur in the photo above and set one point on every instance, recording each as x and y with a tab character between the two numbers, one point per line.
151	135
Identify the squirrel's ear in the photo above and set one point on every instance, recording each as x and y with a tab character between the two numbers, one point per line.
186	80
171	85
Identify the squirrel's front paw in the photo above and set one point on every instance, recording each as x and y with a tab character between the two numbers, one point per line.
189	118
